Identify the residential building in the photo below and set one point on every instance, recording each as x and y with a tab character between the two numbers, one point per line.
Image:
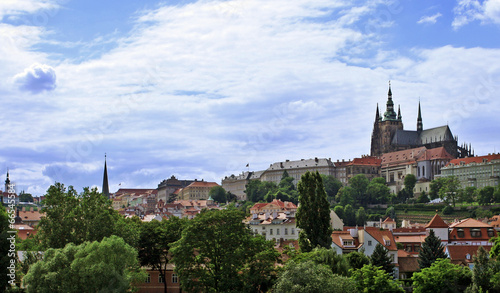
463	254
439	227
167	187
154	283
274	220
275	206
198	190
478	171
471	232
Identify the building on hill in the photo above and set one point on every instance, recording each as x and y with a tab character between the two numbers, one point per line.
389	134
341	171
478	171
167	187
440	228
297	168
366	165
424	163
471	232
196	190
275	206
237	184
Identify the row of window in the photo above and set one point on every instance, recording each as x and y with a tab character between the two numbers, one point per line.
475	232
292	231
175	279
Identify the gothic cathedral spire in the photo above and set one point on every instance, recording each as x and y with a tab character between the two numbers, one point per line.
400	118
389	114
105	185
377	115
420	125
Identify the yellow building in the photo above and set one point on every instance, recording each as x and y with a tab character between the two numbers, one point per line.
196	190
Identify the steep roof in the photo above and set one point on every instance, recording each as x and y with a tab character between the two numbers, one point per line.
458	253
415	138
436	222
380	235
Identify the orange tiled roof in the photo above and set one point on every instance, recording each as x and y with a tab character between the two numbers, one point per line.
459	252
380	235
389	220
470	223
366	161
435	154
337	239
31	215
436	222
203	184
480	159
400	157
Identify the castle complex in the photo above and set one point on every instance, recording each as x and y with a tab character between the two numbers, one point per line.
389	135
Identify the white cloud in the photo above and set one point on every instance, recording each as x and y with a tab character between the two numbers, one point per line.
37	78
432	19
37	7
467	11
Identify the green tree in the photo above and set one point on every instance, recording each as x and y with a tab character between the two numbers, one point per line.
359	183
380	258
332	186
311	277
218	194
107	266
441	276
482	272
326	256
349	215
485	195
357	260
257	190
25	197
218	253
468	194
155	242
450	189
73	218
423	198
374	279
345	196
377	192
313	213
129	229
361	216
339	210
409	182
431	250
435	186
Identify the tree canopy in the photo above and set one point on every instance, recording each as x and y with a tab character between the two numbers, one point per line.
218	253
110	265
218	194
441	276
431	250
313	213
372	279
380	258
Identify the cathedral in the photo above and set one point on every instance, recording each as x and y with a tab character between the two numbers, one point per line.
389	135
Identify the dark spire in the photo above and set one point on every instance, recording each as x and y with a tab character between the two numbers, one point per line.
377	115
400	118
389	114
105	186
7	182
420	125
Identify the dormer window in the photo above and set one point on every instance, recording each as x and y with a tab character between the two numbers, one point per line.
467	256
475	232
387	242
460	233
491	232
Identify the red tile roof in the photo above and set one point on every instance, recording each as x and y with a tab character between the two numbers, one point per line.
458	253
436	222
379	235
435	154
470	223
402	157
337	237
203	184
365	161
480	159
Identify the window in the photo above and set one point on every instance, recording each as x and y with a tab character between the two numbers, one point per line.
286	231
491	232
369	243
293	231
278	231
417	247
160	278
148	278
175	279
270	231
474	232
460	233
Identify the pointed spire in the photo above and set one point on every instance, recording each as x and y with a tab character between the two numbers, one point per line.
389	114
390	92
420	125
400	118
377	115
105	185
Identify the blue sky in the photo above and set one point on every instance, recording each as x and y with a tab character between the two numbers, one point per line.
198	89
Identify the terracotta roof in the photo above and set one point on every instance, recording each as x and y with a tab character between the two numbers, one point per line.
470	223
436	222
408	263
435	154
337	239
401	157
379	235
410	238
31	215
340	164
480	159
459	252
365	161
389	220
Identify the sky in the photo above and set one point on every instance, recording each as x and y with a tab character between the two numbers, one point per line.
200	89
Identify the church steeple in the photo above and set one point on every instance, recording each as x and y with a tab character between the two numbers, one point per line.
377	115
400	118
389	114
420	125
105	185
7	182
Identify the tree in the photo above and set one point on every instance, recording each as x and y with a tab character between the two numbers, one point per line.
468	194
325	256
218	194
380	258
409	182
361	216
450	189
377	192
441	276
73	218
313	213
357	260
359	183
431	250
332	186
485	195
311	277
345	196
482	272
339	210
218	253
423	198
349	215
25	197
435	186
374	279
107	266
129	229
257	190
155	242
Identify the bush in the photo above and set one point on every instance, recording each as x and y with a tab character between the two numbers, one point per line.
447	210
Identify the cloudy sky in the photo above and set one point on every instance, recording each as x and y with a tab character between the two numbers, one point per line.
198	89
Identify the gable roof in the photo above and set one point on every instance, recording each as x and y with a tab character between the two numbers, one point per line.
458	253
203	184
436	222
380	235
435	154
415	138
470	223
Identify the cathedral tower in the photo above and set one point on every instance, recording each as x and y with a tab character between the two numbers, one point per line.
105	185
